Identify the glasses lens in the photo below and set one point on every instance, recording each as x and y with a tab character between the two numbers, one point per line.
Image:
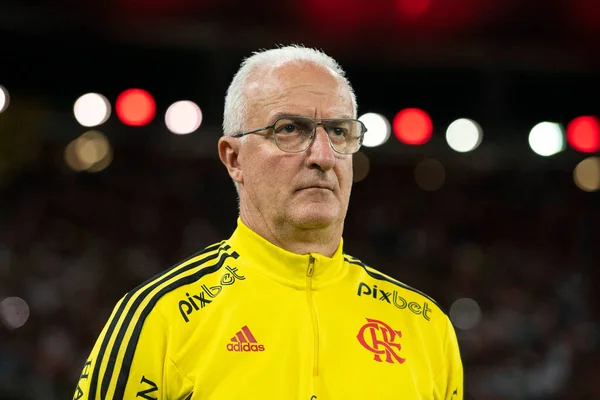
293	134
345	134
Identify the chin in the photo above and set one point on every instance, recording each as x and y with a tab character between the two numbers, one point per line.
315	217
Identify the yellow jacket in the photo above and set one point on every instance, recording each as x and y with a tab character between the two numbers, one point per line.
244	319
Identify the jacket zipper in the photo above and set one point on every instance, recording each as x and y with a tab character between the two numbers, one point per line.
311	305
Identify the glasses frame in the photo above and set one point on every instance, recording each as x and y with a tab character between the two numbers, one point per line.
316	123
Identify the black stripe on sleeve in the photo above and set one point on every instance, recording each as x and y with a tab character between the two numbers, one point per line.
132	343
381	277
114	354
103	347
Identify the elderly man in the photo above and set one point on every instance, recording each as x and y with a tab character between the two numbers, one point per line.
278	310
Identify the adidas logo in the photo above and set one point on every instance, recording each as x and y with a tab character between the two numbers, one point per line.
244	341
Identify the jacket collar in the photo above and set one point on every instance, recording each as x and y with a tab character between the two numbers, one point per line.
296	270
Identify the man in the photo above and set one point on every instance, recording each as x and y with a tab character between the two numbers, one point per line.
278	311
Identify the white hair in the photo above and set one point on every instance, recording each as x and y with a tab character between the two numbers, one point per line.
236	104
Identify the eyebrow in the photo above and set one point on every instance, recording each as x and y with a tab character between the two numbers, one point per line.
288	114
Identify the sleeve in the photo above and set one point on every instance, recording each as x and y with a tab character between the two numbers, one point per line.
449	381
129	359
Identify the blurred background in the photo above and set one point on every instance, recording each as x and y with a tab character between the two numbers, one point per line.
478	182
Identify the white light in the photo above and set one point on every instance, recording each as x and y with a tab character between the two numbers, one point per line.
14	312
378	129
4	98
91	109
465	313
547	139
464	135
183	117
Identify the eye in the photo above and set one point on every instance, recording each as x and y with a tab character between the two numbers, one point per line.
339	131
288	128
292	127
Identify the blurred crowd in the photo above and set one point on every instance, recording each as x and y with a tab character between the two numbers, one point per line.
525	246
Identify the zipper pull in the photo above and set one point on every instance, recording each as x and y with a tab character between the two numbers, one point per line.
311	266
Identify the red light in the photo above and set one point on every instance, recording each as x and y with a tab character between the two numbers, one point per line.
583	134
413	126
334	16
135	107
413	8
585	15
435	16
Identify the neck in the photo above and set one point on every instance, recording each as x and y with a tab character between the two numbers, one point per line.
296	239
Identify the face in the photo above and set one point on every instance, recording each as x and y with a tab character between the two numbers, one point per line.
307	190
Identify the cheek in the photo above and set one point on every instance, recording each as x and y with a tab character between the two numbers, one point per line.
345	177
267	178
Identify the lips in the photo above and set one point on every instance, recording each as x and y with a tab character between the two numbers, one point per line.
317	186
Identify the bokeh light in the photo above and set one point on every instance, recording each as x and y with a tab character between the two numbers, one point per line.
587	174
413	8
14	312
360	166
547	139
464	135
4	98
135	107
102	163
413	126
92	109
89	152
378	129
465	313
183	117
583	134
430	174
336	17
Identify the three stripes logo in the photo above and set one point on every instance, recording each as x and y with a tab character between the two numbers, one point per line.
244	341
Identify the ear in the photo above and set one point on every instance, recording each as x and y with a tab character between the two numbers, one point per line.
229	149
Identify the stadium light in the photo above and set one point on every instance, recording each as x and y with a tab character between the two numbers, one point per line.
413	8
413	126
89	152
4	98
135	107
14	312
378	129
547	139
183	117
91	109
583	134
464	135
465	313
587	174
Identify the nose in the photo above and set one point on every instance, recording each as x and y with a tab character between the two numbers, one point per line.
320	153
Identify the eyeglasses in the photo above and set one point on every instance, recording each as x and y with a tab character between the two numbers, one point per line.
295	134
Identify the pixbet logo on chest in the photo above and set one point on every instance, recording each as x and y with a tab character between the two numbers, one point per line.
199	301
397	300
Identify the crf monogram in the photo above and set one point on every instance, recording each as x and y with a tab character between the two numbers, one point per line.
379	338
200	300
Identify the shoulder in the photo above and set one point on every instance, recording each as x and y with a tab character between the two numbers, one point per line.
386	288
148	294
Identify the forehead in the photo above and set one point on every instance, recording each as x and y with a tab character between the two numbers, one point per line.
298	88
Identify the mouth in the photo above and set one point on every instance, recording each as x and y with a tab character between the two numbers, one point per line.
320	187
